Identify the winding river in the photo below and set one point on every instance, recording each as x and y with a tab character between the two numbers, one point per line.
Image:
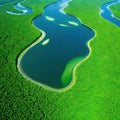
106	13
51	60
19	7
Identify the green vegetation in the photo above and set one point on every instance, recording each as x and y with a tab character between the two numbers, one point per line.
10	4
17	101
116	10
96	93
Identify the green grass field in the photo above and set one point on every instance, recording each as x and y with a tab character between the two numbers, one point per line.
96	92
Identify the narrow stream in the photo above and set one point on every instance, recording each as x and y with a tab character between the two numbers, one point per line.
22	10
4	2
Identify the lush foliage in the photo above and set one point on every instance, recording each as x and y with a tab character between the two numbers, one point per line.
96	93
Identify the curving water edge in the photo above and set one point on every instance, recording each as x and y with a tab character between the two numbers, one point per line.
4	3
40	39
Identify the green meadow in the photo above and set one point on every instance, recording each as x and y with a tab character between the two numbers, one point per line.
95	94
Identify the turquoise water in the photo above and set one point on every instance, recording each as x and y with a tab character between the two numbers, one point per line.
66	38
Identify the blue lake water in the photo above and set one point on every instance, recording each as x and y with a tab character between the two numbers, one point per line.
62	48
21	9
66	39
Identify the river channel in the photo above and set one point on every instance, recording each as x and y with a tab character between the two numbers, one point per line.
52	60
